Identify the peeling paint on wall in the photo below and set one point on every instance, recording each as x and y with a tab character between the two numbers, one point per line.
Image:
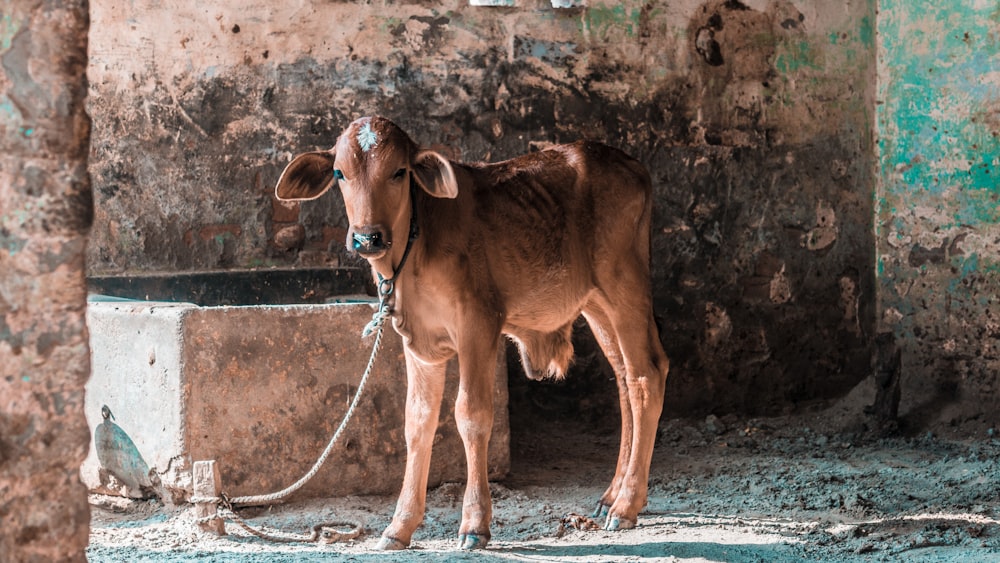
937	205
8	28
601	20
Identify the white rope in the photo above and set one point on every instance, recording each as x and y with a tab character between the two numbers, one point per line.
254	500
324	533
329	532
378	319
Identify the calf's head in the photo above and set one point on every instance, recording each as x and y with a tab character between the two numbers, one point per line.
376	166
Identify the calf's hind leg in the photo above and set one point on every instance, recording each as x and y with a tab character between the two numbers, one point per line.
600	325
625	326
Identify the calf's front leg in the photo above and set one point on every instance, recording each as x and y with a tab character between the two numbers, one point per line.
474	416
424	388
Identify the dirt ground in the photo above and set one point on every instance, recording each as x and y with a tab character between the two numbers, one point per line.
818	486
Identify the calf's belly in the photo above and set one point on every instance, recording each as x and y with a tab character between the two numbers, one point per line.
544	310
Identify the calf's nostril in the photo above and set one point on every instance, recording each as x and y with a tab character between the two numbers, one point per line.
368	241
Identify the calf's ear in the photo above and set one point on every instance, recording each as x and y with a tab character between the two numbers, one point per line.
435	175
306	177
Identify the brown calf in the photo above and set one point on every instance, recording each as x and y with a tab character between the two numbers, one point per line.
518	248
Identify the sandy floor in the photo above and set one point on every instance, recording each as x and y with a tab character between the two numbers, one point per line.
813	487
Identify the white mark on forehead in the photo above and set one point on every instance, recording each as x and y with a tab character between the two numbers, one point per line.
367	138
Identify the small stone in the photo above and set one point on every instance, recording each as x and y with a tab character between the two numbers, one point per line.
290	237
714	425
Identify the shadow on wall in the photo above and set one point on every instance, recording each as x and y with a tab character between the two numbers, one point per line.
762	228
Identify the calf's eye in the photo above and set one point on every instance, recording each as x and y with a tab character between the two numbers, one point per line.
338	174
399	174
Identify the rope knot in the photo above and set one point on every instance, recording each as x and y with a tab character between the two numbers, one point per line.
378	319
385	290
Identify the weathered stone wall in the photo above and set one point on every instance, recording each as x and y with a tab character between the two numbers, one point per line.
937	213
45	212
753	117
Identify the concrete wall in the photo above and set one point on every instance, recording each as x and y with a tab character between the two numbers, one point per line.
260	390
937	226
45	212
754	118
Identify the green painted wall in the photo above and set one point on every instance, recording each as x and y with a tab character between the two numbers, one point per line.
938	122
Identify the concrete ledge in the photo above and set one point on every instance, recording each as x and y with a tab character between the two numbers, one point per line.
259	389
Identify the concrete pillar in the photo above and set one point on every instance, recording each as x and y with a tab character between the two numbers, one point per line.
45	215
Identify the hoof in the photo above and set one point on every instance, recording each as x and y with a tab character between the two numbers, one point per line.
389	544
472	541
601	510
615	523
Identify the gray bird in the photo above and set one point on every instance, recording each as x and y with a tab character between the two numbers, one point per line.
118	455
